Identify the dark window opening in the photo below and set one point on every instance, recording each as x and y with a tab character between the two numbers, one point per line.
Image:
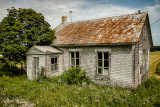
75	59
103	63
54	64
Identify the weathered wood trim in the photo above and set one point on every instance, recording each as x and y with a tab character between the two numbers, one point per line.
46	68
149	31
105	44
39	53
133	63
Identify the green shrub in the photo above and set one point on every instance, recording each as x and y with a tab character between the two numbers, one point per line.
10	70
158	69
72	76
48	94
41	75
2	63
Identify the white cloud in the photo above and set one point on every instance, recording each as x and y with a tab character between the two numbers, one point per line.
107	10
154	12
54	9
154	15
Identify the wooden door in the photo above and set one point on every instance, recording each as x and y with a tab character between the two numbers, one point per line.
35	67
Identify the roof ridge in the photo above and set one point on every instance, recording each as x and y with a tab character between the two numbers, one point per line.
103	18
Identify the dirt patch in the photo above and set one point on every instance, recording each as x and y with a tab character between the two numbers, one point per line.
17	102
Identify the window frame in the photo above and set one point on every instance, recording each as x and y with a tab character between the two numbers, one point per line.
103	67
56	70
75	58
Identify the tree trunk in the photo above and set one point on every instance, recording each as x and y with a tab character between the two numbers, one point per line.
21	65
25	65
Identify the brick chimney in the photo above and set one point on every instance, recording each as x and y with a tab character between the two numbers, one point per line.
139	12
64	19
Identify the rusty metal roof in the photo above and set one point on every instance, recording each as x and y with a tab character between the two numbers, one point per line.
118	29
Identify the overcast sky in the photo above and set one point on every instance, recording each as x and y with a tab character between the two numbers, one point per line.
53	10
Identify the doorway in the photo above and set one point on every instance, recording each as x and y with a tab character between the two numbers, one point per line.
35	67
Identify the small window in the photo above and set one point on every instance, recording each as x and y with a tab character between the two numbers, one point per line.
74	60
54	64
103	63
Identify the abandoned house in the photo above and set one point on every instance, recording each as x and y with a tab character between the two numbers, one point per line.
112	50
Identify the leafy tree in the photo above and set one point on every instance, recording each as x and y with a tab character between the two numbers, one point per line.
20	30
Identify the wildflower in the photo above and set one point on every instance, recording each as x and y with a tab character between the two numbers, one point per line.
97	100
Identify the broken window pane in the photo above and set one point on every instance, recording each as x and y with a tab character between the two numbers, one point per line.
106	63
106	71
52	67
72	61
72	54
56	67
99	55
55	60
99	63
106	56
77	61
77	54
99	70
52	60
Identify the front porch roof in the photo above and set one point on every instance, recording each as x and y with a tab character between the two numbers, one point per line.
43	50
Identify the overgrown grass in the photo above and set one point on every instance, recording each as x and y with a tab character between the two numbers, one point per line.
158	69
48	93
154	60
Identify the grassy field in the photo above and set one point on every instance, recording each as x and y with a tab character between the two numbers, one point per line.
19	91
154	60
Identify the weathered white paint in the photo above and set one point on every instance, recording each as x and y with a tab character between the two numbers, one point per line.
44	60
121	66
125	62
30	64
60	65
143	45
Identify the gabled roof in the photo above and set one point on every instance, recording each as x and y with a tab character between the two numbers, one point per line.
119	29
43	49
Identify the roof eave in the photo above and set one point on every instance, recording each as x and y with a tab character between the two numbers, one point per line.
104	44
149	31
